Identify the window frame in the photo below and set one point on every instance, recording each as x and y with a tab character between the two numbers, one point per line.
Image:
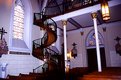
27	28
21	33
90	36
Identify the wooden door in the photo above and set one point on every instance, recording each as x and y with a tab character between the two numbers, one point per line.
92	58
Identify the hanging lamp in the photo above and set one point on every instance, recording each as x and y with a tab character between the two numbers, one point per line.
105	10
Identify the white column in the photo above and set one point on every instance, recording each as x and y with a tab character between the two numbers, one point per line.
94	16
64	22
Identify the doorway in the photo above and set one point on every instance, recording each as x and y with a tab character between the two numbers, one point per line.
92	58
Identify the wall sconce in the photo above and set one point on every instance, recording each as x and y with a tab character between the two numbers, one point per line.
104	28
74	50
105	10
67	67
118	45
69	56
81	32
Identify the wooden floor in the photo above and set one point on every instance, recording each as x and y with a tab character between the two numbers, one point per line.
35	76
106	74
76	74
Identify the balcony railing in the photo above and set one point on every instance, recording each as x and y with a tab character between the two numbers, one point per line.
68	6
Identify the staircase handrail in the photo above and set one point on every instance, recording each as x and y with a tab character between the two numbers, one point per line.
52	50
34	41
37	67
40	40
51	58
44	38
49	37
55	25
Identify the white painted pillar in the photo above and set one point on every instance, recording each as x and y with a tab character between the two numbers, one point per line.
94	16
64	22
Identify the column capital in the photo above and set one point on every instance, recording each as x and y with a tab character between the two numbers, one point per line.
94	15
64	22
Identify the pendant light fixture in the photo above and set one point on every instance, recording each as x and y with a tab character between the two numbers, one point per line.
105	10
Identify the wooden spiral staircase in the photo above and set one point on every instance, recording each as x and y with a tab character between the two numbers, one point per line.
42	47
50	36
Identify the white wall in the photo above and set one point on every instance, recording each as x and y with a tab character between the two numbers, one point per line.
71	38
19	63
35	6
112	31
5	18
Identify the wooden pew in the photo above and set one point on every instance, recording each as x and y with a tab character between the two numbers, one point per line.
87	78
78	72
106	74
3	79
26	78
38	75
12	77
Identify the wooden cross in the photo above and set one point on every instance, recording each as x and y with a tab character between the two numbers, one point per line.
2	32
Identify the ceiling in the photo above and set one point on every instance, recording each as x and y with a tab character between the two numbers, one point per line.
85	20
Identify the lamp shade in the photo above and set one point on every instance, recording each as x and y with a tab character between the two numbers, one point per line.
105	10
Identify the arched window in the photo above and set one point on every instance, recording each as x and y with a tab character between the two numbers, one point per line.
90	40
20	28
18	21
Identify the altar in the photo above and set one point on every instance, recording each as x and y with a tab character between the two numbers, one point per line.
3	50
3	43
3	47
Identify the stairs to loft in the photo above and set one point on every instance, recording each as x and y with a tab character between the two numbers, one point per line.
42	49
50	36
54	62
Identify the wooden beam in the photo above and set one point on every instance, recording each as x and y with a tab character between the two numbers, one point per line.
75	23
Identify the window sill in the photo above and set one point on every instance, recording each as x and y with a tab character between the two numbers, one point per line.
20	51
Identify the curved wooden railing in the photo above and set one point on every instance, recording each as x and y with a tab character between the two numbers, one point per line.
49	37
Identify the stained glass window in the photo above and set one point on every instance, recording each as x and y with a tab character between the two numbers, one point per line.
18	23
91	39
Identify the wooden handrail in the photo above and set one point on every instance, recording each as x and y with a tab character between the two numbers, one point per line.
37	67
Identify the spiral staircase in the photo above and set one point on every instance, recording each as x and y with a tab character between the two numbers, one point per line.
42	47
